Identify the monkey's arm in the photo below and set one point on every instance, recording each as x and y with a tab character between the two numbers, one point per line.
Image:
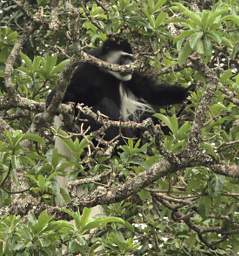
154	92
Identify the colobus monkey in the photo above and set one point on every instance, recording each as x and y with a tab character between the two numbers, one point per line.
120	96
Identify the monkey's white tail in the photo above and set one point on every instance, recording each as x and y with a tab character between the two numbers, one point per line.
62	181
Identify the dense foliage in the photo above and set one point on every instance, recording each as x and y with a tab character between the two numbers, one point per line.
190	209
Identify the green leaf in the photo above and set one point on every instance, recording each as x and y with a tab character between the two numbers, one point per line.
62	226
7	38
233	18
209	18
215	14
159	4
76	147
65	195
200	47
144	195
210	149
193	39
80	146
42	222
204	206
37	61
207	47
98	222
187	12
171	122
151	20
235	50
219	184
42	2
60	67
216	185
226	41
183	130
69	212
226	76
217	108
50	62
216	36
85	217
27	61
184	35
204	19
160	19
184	53
34	137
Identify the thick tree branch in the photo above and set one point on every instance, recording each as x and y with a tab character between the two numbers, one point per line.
122	191
21	102
12	59
230	170
201	112
130	187
62	84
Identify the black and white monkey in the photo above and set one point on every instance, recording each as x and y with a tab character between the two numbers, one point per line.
120	96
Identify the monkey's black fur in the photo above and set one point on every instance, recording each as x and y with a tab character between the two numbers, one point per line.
120	96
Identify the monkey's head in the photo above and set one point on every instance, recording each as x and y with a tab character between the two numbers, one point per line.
118	52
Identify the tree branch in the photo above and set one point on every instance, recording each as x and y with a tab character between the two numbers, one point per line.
12	59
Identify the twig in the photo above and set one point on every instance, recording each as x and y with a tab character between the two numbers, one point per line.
106	65
88	180
230	95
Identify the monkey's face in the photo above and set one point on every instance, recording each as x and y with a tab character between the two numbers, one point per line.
120	58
